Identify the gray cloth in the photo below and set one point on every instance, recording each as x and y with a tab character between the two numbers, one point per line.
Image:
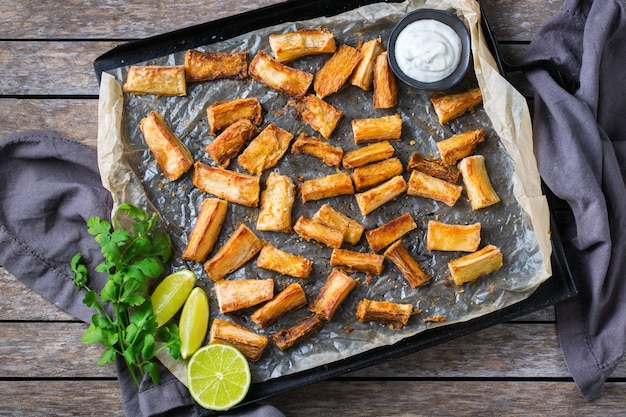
580	143
49	188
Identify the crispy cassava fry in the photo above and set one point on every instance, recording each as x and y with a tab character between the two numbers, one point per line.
265	150
351	229
460	145
231	186
311	230
336	71
385	85
329	186
451	106
376	129
384	235
478	186
293	45
373	174
383	311
286	301
283	262
276	204
206	230
157	80
334	290
231	141
452	237
367	154
224	113
406	263
423	185
240	247
375	197
370	263
248	342
363	74
433	167
310	145
237	294
169	151
469	267
320	115
280	77
207	66
286	338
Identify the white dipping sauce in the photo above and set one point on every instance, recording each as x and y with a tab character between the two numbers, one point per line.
428	50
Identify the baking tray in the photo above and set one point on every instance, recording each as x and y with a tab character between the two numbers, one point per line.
558	287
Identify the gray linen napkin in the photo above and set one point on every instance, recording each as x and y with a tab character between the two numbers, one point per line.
49	188
580	143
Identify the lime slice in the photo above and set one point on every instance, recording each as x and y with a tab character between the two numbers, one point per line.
170	295
194	321
218	377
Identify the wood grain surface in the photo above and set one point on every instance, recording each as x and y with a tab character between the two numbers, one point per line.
47	49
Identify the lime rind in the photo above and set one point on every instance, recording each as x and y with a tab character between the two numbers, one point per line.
170	295
194	322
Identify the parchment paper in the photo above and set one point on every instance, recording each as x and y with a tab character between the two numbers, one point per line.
518	225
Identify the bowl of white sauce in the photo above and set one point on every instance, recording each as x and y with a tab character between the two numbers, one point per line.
429	49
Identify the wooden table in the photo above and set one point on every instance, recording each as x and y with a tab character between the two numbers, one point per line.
47	49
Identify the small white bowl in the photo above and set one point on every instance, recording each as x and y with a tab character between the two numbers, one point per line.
446	18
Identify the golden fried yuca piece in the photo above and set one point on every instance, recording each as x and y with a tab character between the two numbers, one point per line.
469	267
383	311
385	84
283	262
169	151
286	338
245	340
265	150
206	230
423	185
224	113
207	66
433	167
336	71
352	230
310	230
363	74
310	145
231	141
328	186
334	290
240	247
369	263
237	294
375	197
478	186
286	301
280	77
320	115
367	154
373	174
452	237
377	129
276	204
231	186
389	232
459	146
450	106
293	45
156	79
406	263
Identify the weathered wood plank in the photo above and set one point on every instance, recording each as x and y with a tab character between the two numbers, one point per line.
75	119
61	398
112	19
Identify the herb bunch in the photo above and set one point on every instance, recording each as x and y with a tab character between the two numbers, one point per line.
131	258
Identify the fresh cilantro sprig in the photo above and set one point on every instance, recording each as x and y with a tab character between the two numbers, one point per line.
124	322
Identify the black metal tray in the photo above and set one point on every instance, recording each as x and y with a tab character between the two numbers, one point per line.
557	288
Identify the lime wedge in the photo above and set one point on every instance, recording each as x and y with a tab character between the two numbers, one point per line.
218	377
194	321
170	295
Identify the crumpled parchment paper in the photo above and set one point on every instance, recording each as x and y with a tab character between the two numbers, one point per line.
518	225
